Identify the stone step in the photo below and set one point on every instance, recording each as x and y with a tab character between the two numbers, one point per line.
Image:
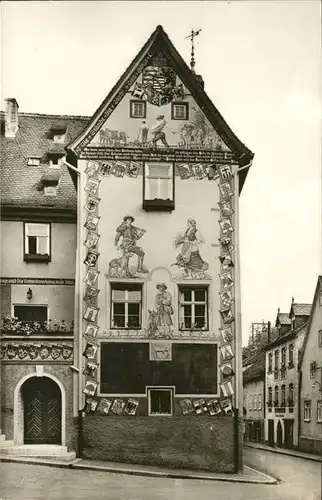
44	451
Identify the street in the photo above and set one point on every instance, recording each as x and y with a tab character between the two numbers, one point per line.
301	481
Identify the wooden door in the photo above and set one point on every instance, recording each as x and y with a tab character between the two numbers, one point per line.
42	411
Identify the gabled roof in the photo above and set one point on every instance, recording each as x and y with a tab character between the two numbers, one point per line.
21	184
285	338
318	289
255	367
300	309
159	40
282	319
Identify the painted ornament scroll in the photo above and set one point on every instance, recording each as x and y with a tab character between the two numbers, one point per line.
226	294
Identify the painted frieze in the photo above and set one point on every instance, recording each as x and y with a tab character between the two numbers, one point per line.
33	351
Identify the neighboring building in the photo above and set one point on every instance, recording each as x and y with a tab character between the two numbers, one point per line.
158	195
38	249
281	378
310	387
254	398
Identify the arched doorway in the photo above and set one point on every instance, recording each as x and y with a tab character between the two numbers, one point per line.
42	411
279	434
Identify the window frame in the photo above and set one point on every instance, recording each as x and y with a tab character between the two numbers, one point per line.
126	287
283	395
33	161
291	400
170	389
276	359
319	411
185	105
307	407
290	358
270	396
259	401
276	395
34	306
158	204
181	304
27	257
53	188
312	369
133	102
270	362
320	338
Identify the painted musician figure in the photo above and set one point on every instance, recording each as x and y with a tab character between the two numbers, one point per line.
129	234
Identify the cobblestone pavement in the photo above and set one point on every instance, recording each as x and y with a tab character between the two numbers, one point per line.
301	481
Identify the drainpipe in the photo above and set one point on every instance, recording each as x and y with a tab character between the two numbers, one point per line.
298	416
78	339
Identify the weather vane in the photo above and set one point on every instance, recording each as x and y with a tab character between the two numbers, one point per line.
192	35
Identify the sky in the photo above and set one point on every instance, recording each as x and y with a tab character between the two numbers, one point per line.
261	62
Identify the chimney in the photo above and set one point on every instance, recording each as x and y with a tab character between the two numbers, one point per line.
11	118
269	332
200	80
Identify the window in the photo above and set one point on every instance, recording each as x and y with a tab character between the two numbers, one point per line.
158	187
270	362
193	309
50	190
259	404
31	314
283	403
283	357
291	395
276	354
55	161
313	369
270	396
126	306
320	338
137	109
59	138
255	402
319	411
250	406
160	401
37	242
33	162
290	356
307	411
276	396
180	111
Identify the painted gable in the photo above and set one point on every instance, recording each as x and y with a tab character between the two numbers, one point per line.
158	100
159	111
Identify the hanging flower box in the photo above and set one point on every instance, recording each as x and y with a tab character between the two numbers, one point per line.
12	326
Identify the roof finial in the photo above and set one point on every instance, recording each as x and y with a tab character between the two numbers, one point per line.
192	36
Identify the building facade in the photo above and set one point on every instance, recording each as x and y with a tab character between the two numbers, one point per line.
254	398
310	386
157	269
281	377
38	250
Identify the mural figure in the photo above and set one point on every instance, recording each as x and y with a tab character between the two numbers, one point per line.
189	258
143	134
160	320
157	132
126	239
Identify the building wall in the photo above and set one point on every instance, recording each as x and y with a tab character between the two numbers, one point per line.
254	410
63	252
311	431
187	442
291	377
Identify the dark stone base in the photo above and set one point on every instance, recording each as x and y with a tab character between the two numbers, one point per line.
201	443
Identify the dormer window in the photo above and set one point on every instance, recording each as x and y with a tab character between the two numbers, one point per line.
50	190
158	187
33	161
180	111
59	138
55	159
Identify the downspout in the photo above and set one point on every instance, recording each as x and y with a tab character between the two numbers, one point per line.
78	397
299	409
